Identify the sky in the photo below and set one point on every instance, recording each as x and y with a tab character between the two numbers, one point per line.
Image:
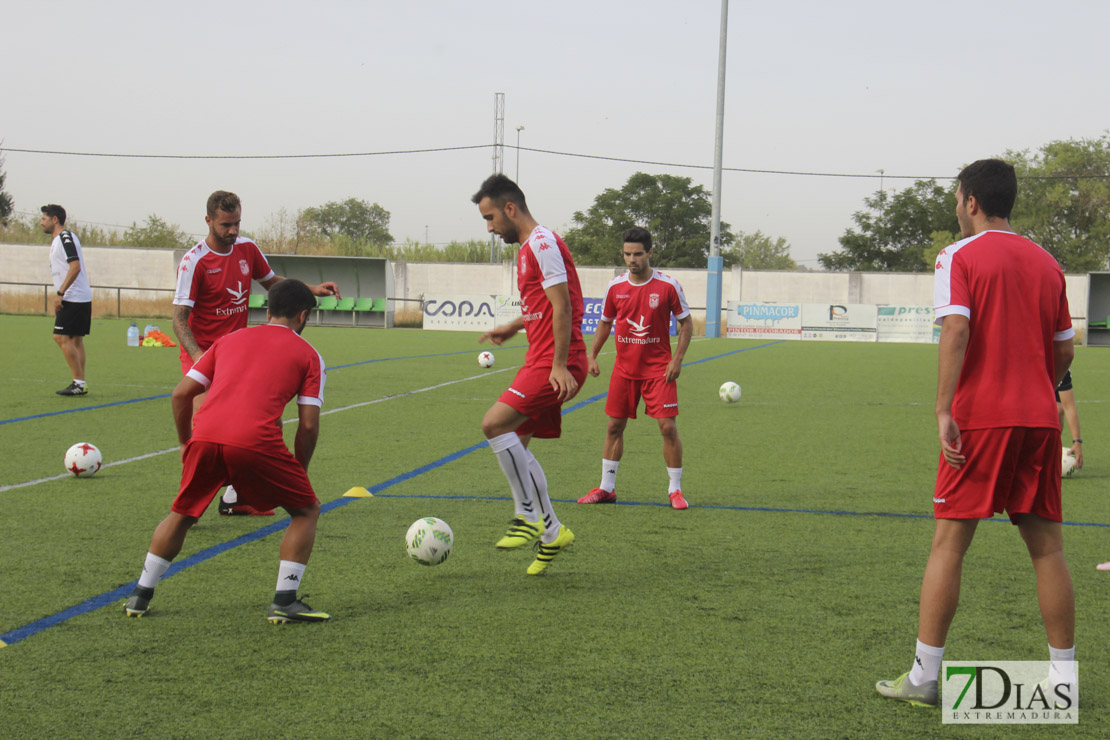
852	87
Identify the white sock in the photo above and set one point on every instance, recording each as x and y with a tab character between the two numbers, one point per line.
290	575
153	570
926	663
80	383
675	474
1062	668
547	511
513	459
609	474
230	496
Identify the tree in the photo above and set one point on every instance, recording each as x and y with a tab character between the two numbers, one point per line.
894	234
676	212
759	252
7	205
1064	201
358	220
156	233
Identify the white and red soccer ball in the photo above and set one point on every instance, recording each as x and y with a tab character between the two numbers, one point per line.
485	359
83	460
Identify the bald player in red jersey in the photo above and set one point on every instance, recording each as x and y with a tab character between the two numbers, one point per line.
1005	344
554	367
638	307
213	288
249	377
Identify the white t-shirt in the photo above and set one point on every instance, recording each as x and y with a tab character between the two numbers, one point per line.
64	249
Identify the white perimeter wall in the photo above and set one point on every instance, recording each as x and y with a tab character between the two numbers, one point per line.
120	267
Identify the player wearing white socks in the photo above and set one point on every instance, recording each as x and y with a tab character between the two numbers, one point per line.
1005	344
554	367
638	307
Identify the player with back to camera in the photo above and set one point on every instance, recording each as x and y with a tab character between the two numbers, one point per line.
554	366
249	376
213	287
638	306
72	296
1005	344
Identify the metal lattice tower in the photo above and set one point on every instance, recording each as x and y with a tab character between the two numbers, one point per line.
498	133
498	154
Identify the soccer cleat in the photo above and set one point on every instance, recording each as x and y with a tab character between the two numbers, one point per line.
298	611
548	550
903	689
599	496
521	532
138	602
677	501
227	509
74	390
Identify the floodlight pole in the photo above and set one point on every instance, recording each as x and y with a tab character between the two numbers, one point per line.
716	263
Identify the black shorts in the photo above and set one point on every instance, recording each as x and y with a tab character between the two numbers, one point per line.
1065	385
73	319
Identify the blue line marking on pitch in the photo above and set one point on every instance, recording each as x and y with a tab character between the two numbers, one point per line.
167	395
104	599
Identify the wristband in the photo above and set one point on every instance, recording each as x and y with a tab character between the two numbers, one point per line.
59	292
1077	440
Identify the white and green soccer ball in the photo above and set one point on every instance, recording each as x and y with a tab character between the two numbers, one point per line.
1067	466
83	460
429	541
485	359
730	392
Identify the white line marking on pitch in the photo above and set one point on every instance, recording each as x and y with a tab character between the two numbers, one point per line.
485	374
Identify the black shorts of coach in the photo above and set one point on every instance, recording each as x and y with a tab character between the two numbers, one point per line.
73	319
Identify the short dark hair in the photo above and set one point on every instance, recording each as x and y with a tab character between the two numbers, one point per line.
288	298
501	190
54	210
993	183
638	235
222	200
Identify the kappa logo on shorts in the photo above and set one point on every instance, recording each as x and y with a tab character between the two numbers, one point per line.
514	390
937	500
670	405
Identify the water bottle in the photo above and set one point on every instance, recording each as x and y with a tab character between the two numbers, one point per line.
149	328
132	335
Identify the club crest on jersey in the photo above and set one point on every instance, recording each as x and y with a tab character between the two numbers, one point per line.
244	267
653	300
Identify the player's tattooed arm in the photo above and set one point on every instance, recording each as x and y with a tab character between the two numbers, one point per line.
184	334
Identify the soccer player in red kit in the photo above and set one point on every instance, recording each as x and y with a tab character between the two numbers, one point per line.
554	367
1005	344
213	287
639	306
249	377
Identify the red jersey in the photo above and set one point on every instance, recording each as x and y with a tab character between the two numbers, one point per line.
1013	293
250	376
543	261
217	286
641	318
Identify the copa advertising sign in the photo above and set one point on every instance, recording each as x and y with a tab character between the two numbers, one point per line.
460	312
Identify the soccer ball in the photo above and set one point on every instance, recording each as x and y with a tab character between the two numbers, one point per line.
83	460
730	392
1068	465
485	359
429	541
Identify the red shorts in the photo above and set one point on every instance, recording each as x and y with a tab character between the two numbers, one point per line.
186	362
1011	469
660	398
532	395
264	480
